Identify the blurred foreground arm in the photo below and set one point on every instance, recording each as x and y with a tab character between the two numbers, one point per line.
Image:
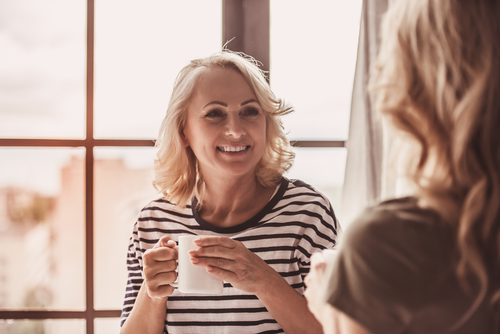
332	320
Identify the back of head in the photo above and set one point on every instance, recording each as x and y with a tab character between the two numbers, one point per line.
437	79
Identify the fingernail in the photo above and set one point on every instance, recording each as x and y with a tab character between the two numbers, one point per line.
198	241
194	260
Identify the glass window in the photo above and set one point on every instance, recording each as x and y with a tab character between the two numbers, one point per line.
106	325
123	186
139	49
42	219
312	61
42	326
42	68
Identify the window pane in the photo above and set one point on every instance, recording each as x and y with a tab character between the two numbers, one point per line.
42	68
322	168
42	229
106	325
123	186
139	51
313	55
42	326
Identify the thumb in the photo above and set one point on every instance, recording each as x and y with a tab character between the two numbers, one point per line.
165	241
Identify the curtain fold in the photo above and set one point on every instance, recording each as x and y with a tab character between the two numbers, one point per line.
363	183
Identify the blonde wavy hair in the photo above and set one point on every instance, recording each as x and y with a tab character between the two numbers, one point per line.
437	78
177	174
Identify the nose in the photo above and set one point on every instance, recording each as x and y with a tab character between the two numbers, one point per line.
234	127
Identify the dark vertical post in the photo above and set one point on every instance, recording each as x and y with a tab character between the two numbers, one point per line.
89	173
232	24
246	23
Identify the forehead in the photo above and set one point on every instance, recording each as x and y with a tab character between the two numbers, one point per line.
223	84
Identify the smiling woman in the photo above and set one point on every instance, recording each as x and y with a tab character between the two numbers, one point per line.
221	158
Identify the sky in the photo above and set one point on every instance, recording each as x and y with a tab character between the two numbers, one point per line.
139	49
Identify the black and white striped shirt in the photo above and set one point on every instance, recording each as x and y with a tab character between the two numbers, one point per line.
296	222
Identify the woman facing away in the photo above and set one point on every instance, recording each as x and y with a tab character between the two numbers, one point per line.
429	263
220	163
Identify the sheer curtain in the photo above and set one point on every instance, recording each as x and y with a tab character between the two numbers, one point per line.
367	179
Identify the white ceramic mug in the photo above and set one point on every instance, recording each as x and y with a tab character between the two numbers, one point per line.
191	278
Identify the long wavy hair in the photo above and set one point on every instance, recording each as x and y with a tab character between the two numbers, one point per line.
437	78
177	175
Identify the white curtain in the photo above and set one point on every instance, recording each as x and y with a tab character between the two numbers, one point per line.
367	180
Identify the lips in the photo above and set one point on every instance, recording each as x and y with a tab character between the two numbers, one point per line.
233	149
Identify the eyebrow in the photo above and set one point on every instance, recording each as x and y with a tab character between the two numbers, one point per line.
225	104
215	102
248	101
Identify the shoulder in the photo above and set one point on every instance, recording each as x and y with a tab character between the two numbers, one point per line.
393	257
400	221
161	204
300	189
161	210
396	240
301	192
302	198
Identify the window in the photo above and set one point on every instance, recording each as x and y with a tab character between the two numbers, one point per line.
81	100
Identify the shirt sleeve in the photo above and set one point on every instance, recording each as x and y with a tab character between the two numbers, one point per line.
322	231
382	273
135	278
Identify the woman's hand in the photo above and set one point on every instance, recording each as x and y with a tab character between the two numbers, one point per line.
160	263
232	262
313	282
332	320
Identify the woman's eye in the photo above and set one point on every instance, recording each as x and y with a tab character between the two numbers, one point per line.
214	114
251	112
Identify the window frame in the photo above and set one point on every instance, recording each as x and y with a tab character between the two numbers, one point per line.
247	21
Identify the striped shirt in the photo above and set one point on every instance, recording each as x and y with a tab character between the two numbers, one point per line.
296	222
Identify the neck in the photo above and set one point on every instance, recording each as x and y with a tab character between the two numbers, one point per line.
228	203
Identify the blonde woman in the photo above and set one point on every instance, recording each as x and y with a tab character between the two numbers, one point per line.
429	263
221	158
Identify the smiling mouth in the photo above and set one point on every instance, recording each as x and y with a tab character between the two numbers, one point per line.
232	149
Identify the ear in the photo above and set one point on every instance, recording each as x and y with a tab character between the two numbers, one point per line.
184	139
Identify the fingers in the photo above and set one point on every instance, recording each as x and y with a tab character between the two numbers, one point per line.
162	278
214	251
165	241
161	291
317	258
317	271
222	274
216	241
221	247
158	278
159	268
152	268
318	264
159	255
212	262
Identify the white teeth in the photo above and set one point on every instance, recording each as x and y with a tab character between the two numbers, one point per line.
232	149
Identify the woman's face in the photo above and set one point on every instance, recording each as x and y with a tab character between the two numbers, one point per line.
225	125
